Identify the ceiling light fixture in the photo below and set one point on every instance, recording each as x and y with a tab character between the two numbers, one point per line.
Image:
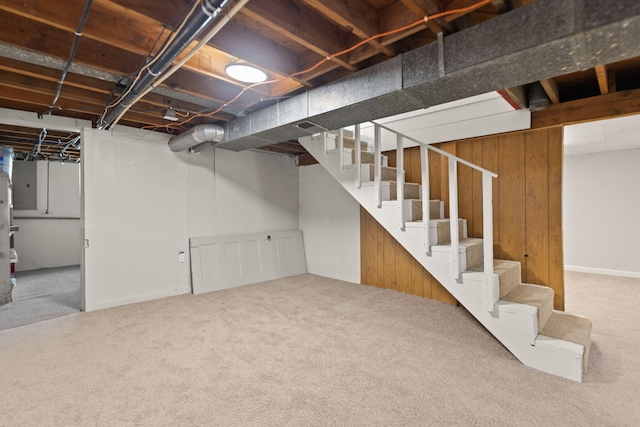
245	73
170	114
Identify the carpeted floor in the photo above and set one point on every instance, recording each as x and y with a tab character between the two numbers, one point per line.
42	294
312	351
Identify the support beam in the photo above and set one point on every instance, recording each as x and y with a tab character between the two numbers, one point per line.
551	87
606	79
33	120
516	96
617	104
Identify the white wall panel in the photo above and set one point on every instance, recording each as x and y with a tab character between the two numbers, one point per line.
600	212
143	202
221	262
135	218
330	223
50	235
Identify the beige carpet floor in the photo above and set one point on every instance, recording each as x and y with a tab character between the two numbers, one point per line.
312	351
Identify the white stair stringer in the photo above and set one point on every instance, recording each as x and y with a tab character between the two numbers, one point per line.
514	325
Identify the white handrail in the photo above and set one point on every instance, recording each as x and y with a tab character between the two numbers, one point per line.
341	147
426	199
453	218
444	153
400	178
377	165
358	151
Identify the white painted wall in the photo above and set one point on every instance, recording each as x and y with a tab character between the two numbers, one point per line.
330	224
50	235
600	212
143	202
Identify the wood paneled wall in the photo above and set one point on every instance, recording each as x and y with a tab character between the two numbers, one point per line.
527	205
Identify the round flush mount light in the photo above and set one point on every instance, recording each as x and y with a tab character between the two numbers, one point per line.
245	73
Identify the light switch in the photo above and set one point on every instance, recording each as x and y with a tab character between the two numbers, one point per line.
181	257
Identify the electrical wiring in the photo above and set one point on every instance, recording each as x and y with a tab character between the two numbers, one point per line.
325	59
146	66
74	48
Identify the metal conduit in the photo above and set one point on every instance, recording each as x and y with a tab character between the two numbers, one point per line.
197	22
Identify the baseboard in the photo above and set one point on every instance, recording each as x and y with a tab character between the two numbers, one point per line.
138	298
602	271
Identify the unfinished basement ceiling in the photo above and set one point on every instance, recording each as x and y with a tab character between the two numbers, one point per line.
281	37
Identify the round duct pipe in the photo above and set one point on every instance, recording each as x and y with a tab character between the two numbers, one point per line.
195	136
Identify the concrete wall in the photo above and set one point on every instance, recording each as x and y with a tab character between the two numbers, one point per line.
601	205
49	235
330	224
143	202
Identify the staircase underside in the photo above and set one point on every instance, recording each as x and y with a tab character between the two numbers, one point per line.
523	319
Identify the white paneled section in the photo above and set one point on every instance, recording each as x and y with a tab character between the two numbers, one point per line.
330	223
480	115
135	217
221	262
241	193
622	133
143	202
600	212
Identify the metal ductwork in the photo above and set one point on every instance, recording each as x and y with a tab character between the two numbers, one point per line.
545	39
200	18
196	136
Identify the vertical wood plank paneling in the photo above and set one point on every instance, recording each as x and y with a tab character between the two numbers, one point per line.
413	166
417	278
435	163
391	155
380	232
368	250
536	266
475	223
512	197
449	147
403	269
556	257
465	181
529	165
389	261
491	161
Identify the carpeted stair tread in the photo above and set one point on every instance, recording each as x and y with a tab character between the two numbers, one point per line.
388	173
473	248
351	143
509	273
444	229
572	328
434	209
535	295
411	190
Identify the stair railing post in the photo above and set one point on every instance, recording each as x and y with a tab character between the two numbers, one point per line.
341	147
400	178
358	151
453	218
491	295
377	164
426	205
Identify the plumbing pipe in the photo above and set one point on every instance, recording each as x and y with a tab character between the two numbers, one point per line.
195	136
209	10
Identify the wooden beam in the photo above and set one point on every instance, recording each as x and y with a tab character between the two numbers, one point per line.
551	87
516	96
603	81
606	79
617	104
358	15
299	24
136	33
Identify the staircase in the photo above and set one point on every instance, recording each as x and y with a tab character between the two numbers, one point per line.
519	315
